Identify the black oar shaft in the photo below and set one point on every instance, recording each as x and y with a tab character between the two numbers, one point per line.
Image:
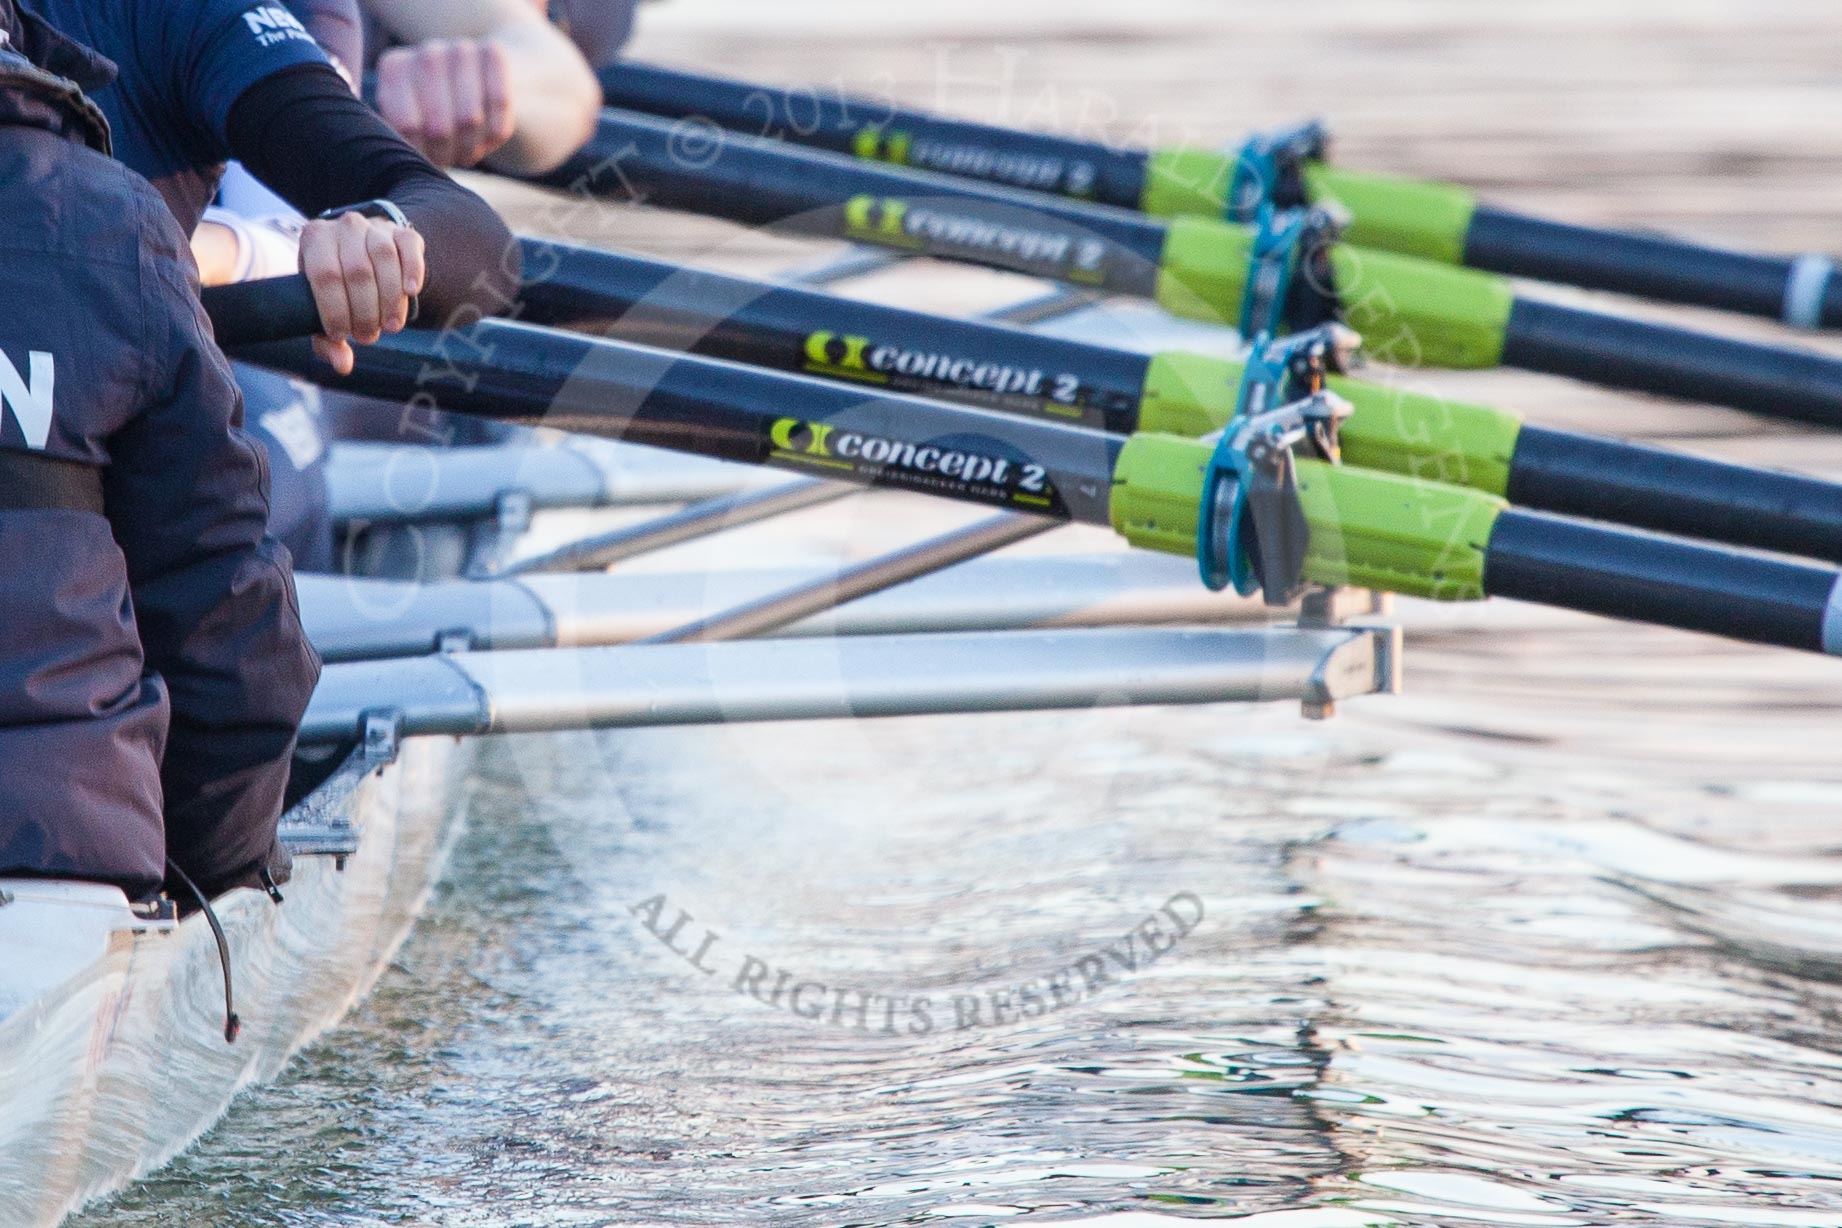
647	160
1650	266
1542	558
737	413
832	120
268	309
807	332
1669	492
1640	356
1801	291
1016	371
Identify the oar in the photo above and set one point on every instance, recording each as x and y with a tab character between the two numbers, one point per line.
1014	371
1433	220
712	515
1241	504
268	309
1412	311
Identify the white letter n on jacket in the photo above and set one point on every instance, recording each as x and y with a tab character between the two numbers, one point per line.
31	406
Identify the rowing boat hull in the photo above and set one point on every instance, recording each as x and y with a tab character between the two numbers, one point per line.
112	1053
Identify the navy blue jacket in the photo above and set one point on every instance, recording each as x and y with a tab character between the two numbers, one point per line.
151	654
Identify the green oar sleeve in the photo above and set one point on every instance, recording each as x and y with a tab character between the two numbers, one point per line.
1188	394
1411	312
1420	436
1374	530
1392	430
1187	182
1409	216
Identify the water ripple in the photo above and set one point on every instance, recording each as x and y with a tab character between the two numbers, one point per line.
1435	987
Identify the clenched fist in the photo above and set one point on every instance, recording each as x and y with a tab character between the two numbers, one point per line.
449	97
364	271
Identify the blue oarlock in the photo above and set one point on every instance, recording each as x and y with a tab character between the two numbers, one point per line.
1269	170
1251	534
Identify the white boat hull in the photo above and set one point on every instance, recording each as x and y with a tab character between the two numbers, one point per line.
112	1049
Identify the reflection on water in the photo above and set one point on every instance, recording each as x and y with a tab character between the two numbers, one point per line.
1431	983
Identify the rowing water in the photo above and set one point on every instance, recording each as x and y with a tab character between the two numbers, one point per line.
1439	983
1552	940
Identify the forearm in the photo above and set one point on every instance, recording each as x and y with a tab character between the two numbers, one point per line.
303	134
218	251
555	99
229	247
479	268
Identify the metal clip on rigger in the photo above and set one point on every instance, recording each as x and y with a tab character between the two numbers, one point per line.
1269	170
1284	242
1251	531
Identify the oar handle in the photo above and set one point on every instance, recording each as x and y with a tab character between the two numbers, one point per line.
270	309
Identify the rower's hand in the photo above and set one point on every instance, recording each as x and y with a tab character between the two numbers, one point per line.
364	271
449	97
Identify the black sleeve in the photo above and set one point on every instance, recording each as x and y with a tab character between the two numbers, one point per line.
301	132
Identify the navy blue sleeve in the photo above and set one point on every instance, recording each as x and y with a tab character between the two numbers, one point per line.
219	48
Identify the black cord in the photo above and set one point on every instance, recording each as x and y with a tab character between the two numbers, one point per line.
232	1024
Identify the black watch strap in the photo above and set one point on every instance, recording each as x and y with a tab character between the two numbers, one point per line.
383	210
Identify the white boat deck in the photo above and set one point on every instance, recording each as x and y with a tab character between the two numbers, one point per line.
112	1050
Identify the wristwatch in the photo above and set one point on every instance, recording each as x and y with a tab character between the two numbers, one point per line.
380	208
